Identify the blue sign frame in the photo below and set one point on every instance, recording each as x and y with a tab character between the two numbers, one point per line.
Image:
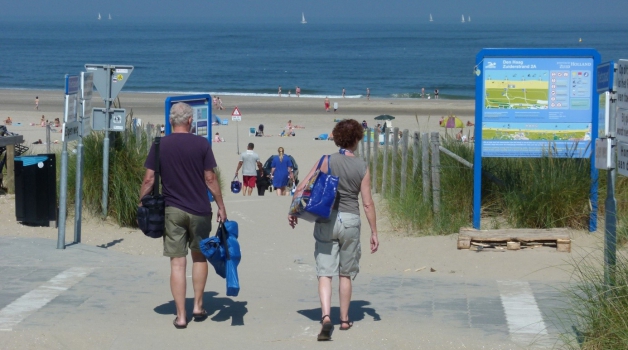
585	106
201	104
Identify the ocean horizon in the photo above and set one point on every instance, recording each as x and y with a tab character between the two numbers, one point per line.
392	60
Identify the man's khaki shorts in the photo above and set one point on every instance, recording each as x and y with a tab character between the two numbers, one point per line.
183	230
338	251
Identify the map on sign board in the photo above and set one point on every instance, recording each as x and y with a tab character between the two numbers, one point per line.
533	106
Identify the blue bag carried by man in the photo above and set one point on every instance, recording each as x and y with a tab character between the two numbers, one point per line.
222	251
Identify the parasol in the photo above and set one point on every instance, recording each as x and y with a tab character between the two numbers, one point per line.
452	122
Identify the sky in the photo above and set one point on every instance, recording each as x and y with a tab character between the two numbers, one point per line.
319	11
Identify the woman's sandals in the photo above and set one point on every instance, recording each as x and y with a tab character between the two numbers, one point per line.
348	323
326	330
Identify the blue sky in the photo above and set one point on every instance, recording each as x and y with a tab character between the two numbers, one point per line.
321	11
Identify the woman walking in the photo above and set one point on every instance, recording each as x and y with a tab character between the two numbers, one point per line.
281	171
337	249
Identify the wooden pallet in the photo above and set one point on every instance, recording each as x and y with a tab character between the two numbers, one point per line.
513	239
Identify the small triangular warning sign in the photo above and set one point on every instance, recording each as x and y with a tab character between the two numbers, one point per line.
236	112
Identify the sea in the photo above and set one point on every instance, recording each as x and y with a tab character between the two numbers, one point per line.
394	60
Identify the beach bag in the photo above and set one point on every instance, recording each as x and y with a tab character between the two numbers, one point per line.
222	251
151	216
318	196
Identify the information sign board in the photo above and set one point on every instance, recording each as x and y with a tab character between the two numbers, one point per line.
236	116
87	84
201	112
70	131
603	154
622	158
71	84
86	120
605	77
533	106
70	108
116	119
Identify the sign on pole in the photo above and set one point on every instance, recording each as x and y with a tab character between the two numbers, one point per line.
70	122
118	76
236	116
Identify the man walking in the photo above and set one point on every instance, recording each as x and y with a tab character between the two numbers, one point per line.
249	162
187	170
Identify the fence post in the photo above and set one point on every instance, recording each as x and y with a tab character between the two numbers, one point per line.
435	138
404	160
368	147
385	165
415	153
375	160
362	153
9	181
425	163
393	171
48	138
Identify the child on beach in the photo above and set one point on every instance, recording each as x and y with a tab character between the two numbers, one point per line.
8	121
326	104
36	103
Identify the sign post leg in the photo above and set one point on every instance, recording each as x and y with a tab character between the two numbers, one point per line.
105	159
63	189
238	136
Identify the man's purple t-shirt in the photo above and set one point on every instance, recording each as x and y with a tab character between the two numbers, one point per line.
183	160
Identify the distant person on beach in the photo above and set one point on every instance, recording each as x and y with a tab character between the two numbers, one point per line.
364	125
215	102
187	166
337	248
162	130
289	125
281	171
298	91
335	107
436	94
43	121
218	139
343	92
8	121
326	104
289	92
249	162
36	102
219	101
368	94
279	91
459	135
422	92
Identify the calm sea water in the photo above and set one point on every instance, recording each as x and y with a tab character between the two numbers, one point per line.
392	60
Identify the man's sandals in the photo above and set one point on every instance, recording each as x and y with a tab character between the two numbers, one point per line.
326	330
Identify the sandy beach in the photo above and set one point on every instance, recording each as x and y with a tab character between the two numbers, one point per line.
273	112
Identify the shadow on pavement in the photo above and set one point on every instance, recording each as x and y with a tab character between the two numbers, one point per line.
225	307
357	312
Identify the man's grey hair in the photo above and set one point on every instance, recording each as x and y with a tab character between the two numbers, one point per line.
179	113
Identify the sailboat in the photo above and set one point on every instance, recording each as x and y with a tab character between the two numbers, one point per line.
99	18
469	19
110	16
431	20
462	18
303	21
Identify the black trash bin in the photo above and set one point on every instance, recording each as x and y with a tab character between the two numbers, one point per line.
36	189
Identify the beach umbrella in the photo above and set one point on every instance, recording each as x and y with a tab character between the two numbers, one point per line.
384	117
452	122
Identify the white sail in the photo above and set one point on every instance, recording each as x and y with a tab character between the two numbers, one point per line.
462	18
303	21
110	16
431	20
99	16
469	19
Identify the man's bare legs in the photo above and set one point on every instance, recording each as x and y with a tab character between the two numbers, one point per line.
199	279
345	299
178	284
177	287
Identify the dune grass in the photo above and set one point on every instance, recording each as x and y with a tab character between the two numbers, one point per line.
541	192
127	154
